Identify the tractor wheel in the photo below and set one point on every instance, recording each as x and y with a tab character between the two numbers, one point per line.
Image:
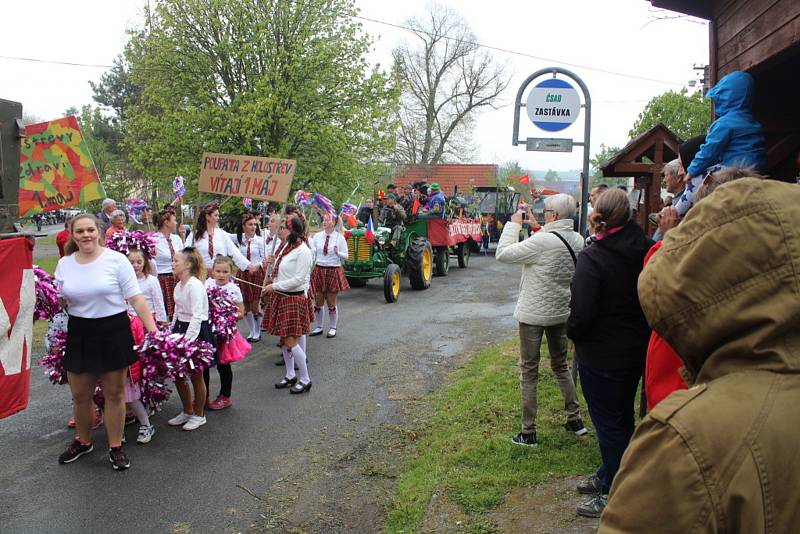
441	258
391	283
356	282
419	263
463	253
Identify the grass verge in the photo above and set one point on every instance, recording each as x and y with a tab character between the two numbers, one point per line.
465	452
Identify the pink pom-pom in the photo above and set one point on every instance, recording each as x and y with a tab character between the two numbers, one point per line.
222	312
47	304
53	363
123	241
172	356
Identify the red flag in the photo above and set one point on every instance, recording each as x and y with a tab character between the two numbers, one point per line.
368	234
415	206
17	299
525	179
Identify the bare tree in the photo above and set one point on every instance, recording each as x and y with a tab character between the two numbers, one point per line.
446	78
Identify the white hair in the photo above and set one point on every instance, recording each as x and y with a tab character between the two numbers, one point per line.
117	213
562	204
108	202
672	168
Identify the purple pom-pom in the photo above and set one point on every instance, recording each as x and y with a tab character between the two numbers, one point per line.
222	312
53	363
46	294
123	241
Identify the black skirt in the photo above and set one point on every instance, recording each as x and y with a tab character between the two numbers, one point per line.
205	334
99	345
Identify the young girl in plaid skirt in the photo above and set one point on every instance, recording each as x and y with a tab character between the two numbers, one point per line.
330	249
291	310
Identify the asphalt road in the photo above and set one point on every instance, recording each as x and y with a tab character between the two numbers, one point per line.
206	480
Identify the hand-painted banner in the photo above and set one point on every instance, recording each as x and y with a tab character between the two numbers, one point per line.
56	169
246	176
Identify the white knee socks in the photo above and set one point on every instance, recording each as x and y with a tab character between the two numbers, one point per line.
141	414
251	324
302	342
318	318
288	359
333	315
300	357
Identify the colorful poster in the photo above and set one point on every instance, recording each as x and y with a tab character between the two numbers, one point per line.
17	300
246	176
56	169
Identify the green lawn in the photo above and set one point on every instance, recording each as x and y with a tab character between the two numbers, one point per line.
48	263
465	448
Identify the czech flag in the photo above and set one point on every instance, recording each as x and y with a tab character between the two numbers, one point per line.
369	235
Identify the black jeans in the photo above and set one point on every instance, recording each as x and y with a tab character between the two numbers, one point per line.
225	379
610	397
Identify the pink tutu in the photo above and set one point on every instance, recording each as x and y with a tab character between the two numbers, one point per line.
132	391
234	350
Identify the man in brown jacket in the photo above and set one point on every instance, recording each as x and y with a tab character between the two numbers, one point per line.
724	291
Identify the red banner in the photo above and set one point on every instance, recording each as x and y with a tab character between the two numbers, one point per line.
17	299
448	233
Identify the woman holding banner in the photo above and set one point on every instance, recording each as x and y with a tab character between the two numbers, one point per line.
253	246
167	245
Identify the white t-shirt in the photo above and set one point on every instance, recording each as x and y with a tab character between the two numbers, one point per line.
97	289
331	259
191	306
163	257
230	288
151	290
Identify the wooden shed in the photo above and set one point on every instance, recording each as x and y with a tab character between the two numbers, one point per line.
761	37
643	158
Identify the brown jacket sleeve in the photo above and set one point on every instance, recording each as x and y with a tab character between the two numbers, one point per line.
659	487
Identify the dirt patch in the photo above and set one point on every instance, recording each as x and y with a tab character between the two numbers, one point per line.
547	508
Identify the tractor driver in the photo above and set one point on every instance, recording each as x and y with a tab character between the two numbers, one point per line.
392	216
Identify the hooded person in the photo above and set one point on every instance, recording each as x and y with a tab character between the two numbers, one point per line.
735	139
722	455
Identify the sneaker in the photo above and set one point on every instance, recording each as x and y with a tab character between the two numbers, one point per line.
220	403
317	331
98	420
593	507
71	422
528	440
145	433
180	419
75	450
194	422
589	486
576	427
119	460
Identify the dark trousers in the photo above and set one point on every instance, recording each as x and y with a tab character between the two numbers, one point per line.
225	379
610	396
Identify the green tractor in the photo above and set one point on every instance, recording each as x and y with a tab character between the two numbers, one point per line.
412	255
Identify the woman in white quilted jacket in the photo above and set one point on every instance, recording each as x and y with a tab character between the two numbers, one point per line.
548	263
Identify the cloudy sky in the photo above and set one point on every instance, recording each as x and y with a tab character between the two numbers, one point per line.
619	47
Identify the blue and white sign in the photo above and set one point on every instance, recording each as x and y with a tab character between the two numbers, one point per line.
553	105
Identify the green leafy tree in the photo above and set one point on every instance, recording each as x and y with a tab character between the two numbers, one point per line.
601	157
686	115
275	78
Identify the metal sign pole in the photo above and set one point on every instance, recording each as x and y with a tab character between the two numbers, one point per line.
560	145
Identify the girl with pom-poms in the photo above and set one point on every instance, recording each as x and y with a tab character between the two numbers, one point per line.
330	249
291	310
191	320
96	282
233	348
254	248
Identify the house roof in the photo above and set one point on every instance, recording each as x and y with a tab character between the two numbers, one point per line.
449	175
695	8
628	161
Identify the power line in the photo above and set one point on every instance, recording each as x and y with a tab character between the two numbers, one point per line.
522	54
56	62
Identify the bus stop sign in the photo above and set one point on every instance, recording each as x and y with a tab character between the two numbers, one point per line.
553	105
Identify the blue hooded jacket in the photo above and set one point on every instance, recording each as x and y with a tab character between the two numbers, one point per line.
735	138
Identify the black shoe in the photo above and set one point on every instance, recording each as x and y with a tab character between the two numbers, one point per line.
254	339
528	440
118	458
593	507
75	450
300	388
286	382
589	486
576	427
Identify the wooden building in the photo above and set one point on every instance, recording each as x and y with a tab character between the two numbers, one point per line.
449	176
761	37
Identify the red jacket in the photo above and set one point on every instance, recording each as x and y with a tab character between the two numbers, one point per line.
61	240
661	376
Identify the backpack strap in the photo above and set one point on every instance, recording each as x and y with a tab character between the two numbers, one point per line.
569	248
